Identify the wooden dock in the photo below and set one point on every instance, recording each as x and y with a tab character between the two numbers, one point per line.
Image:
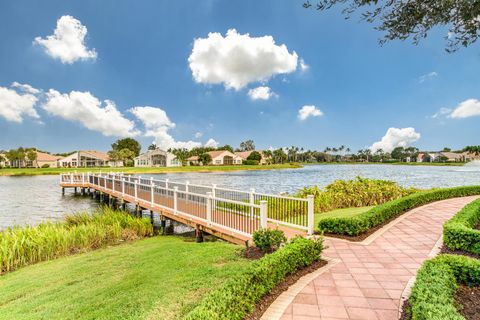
232	215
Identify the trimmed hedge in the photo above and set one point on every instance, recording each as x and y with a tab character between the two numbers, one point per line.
238	296
361	223
459	232
434	290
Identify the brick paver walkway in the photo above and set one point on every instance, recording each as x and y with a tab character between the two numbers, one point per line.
369	280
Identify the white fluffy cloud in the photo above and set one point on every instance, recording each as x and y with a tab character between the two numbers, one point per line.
15	105
309	111
396	137
239	59
83	107
466	109
442	112
67	42
211	143
260	93
198	135
157	124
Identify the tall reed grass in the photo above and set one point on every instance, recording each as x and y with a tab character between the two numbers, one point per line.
359	192
21	246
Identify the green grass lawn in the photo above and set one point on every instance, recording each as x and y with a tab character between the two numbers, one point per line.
53	171
155	278
340	213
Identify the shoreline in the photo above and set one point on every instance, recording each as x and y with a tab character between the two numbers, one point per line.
10	172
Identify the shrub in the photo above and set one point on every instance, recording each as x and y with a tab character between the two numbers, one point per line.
434	290
255	155
358	192
238	296
46	165
23	246
459	232
356	225
268	240
250	162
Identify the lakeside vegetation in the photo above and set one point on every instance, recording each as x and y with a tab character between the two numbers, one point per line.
142	170
22	246
155	278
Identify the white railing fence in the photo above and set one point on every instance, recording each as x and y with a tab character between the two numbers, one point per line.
241	211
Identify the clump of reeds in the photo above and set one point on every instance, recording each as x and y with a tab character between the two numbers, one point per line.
21	246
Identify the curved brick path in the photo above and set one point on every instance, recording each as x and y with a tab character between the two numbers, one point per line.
369	278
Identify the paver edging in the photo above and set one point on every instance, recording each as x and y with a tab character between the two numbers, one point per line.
278	307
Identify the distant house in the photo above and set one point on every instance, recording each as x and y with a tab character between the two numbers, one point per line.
452	156
44	160
470	156
88	158
3	160
245	154
219	158
157	158
428	156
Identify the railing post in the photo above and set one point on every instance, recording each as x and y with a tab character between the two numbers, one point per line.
83	179
113	183
310	214
187	183
71	177
175	200
123	186
252	201
209	207
214	193
135	186
152	189
263	214
166	184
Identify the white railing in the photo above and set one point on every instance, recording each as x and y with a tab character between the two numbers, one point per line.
228	207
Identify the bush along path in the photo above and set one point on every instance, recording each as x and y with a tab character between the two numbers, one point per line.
370	277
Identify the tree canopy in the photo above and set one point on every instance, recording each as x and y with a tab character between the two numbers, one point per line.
127	143
401	20
248	145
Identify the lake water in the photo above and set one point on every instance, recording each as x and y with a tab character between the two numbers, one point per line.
31	199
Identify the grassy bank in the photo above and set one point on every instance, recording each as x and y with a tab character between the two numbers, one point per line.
435	164
154	278
135	170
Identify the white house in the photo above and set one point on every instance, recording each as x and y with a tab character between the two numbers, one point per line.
157	158
88	158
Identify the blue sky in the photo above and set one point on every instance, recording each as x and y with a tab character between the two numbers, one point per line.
136	54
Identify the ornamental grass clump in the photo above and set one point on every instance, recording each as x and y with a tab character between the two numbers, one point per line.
21	246
359	192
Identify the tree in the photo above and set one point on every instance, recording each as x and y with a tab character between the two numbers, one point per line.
400	20
248	145
472	149
127	143
279	156
182	154
255	155
153	146
446	149
125	155
398	153
205	159
32	155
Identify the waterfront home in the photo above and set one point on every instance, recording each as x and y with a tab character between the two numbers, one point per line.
219	158
470	156
88	158
452	156
157	158
44	160
245	154
428	156
3	160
